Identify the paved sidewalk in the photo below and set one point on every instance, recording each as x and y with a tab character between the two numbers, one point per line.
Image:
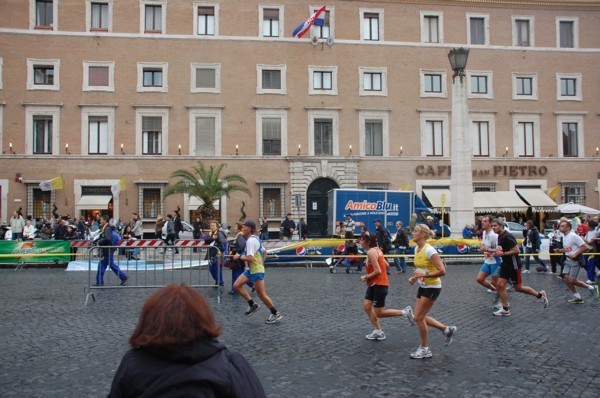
53	346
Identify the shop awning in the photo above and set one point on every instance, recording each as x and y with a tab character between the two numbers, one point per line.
499	201
536	199
434	196
93	202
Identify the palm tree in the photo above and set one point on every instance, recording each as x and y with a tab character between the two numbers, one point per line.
206	184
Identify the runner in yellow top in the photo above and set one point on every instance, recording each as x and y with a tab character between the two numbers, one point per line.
376	279
428	270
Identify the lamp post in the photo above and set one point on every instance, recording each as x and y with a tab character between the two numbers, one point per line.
461	179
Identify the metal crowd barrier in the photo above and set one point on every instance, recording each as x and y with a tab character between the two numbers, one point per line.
149	263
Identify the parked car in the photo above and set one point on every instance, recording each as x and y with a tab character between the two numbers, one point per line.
188	231
516	230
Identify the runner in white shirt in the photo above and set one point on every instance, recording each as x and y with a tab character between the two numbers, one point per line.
491	264
573	247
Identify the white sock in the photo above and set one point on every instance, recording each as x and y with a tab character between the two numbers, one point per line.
446	330
590	287
577	296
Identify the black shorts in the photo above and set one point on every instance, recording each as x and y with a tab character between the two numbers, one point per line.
511	274
377	295
430	292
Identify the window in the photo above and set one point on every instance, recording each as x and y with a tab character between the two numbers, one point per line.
325	31
373	81
373	133
434	133
42	126
323	80
206	23
206	78
323	137
569	139
43	74
97	129
481	138
153	16
42	203
205	132
1	75
98	76
524	86
478	27
271	21
570	134
568	87
432	27
42	135
271	79
433	83
151	135
526	139
271	132
152	131
99	15
480	84
435	138
44	14
151	202
272	203
567	32
98	135
523	31
371	27
573	192
152	77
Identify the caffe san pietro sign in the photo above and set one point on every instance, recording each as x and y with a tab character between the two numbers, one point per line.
495	171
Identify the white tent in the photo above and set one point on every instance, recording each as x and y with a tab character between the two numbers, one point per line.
573	208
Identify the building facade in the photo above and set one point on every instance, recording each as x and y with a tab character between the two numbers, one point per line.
97	91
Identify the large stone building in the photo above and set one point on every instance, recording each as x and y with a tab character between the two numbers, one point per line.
100	90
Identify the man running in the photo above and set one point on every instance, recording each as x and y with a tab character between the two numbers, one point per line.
510	269
491	264
573	247
254	256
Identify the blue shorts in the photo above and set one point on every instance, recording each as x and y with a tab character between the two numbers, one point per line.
491	269
254	277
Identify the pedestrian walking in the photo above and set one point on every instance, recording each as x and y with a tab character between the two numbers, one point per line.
376	279
400	243
254	255
532	246
510	269
574	247
175	352
107	239
429	268
219	247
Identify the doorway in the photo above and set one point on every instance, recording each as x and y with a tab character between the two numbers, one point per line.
316	207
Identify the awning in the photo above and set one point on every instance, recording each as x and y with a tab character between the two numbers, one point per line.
504	201
537	199
434	196
93	202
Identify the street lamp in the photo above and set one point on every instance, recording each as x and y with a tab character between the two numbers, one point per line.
458	61
461	178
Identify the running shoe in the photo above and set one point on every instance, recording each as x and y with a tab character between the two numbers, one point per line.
421	353
274	318
252	309
544	298
449	334
490	291
502	312
525	271
376	335
410	317
575	300
594	292
590	282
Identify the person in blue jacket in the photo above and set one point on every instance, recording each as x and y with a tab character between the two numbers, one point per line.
108	253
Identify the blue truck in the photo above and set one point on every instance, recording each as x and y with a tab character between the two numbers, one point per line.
367	205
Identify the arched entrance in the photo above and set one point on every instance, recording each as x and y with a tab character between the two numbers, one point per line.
316	206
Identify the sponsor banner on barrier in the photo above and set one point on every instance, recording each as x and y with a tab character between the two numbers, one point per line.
34	251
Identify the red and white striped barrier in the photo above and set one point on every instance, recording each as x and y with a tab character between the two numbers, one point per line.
189	243
142	243
81	243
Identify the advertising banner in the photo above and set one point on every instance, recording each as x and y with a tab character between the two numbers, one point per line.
34	251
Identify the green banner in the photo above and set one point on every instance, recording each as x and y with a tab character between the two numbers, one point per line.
34	251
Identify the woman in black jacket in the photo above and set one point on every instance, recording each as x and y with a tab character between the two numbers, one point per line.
532	244
176	353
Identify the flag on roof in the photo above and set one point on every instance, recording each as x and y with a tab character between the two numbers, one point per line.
55	183
318	18
118	187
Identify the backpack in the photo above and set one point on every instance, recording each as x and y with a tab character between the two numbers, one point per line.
115	237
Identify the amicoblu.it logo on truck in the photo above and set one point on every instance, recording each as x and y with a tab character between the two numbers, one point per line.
365	205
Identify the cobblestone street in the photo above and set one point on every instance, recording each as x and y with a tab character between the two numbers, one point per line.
54	346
